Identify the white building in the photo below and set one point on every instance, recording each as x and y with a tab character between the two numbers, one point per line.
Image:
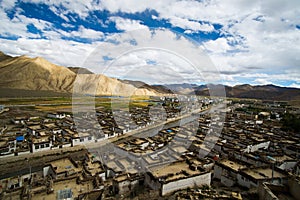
226	171
254	177
41	144
82	138
176	176
230	173
126	183
56	115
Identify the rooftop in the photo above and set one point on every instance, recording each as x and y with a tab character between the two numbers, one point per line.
40	140
263	173
64	165
233	165
173	171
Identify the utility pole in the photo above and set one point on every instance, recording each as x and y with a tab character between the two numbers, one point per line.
29	181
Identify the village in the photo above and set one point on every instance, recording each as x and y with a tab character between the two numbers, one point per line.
254	156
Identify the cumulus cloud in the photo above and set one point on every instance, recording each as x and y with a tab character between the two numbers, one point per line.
261	81
83	32
294	85
127	24
8	4
61	52
193	26
259	35
219	45
152	58
79	7
257	42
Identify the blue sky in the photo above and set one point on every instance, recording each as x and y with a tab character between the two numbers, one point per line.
254	42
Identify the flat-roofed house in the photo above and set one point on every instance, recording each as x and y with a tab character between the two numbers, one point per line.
62	168
226	171
82	138
254	177
56	115
54	128
33	129
95	168
124	183
176	176
20	120
41	144
7	146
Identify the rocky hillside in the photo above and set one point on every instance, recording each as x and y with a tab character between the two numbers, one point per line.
38	74
80	70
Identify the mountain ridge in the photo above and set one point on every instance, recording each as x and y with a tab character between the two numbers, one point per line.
38	74
264	92
22	72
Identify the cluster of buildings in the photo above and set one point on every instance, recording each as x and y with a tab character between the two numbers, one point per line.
251	152
30	134
68	177
254	152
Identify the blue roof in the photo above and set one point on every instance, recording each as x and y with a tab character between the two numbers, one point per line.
20	138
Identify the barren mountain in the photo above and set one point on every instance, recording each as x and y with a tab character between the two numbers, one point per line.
34	74
266	92
39	74
80	70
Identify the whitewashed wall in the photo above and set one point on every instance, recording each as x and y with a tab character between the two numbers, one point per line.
203	179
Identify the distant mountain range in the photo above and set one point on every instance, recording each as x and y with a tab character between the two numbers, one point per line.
37	74
264	92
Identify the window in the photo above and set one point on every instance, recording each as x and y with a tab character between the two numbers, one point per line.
37	146
47	145
89	138
244	179
42	146
81	139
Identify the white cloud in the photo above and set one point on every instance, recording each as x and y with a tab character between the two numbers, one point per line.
84	33
191	25
271	44
261	81
61	52
17	26
295	85
131	6
127	24
175	59
82	8
219	45
60	12
7	4
258	38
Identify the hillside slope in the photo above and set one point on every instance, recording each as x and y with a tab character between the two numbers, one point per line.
39	74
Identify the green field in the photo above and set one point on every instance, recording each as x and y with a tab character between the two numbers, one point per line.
64	104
